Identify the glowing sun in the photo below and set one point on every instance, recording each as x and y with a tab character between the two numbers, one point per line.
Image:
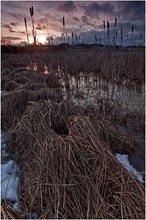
41	39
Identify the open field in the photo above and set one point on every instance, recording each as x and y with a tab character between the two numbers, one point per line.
66	114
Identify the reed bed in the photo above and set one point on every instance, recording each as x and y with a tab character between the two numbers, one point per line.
14	104
66	152
67	169
113	64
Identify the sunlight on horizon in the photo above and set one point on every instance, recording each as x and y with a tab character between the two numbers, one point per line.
41	39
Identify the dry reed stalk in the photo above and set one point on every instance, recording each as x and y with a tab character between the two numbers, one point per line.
7	211
74	175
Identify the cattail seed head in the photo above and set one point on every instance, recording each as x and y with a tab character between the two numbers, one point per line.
25	22
31	11
107	25
115	22
63	21
104	24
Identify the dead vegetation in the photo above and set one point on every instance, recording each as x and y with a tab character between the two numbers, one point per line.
10	86
14	104
71	174
66	152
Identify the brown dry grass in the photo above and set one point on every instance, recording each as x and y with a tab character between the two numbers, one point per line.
70	173
14	104
7	211
4	81
10	86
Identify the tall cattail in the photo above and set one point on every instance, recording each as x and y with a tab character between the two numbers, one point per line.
104	31
107	25
115	22
132	34
31	11
121	36
64	28
104	24
115	31
72	37
63	21
33	29
108	32
76	38
26	30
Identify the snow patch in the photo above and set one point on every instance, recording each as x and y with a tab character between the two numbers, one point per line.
123	158
9	181
9	175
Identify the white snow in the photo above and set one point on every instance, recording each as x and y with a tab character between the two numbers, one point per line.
9	181
123	158
9	176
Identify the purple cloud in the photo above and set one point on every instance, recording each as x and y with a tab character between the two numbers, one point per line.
67	7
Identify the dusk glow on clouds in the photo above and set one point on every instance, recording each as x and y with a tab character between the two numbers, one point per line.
86	18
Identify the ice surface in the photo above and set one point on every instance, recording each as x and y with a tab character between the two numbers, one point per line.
16	206
9	181
9	175
123	158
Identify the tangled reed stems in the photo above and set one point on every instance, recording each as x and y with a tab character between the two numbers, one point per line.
10	86
15	103
70	173
7	211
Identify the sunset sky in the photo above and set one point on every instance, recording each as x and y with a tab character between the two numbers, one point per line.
86	18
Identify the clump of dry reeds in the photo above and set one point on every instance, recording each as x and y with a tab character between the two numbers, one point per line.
12	107
10	86
21	79
33	86
71	174
14	104
4	81
46	94
53	81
